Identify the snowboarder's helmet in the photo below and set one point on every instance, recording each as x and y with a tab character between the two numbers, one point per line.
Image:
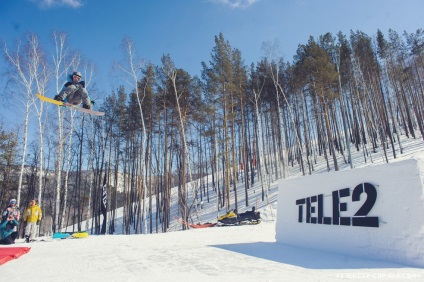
77	73
12	202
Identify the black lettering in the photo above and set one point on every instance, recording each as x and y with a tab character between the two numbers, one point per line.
300	203
308	210
336	206
321	218
314	205
313	218
360	218
344	220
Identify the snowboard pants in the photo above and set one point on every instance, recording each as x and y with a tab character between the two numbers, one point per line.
31	230
74	95
9	239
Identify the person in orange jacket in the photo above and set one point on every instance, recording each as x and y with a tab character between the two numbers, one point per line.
32	216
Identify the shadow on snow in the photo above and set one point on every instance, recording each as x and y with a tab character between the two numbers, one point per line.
305	258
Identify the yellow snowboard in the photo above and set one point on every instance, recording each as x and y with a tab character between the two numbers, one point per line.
52	101
82	234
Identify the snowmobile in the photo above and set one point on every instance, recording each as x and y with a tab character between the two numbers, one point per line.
230	218
249	217
234	218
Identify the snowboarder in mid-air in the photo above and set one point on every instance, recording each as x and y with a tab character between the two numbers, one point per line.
74	92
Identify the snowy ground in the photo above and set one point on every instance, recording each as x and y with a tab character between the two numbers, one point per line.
242	253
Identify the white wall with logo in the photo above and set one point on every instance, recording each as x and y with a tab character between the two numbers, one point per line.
375	212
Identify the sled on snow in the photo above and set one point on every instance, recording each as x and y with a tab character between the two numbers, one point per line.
196	225
200	225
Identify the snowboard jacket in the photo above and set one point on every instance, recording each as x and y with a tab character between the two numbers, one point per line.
10	209
7	228
75	93
33	214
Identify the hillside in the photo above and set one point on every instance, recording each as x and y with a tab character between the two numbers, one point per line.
208	212
243	253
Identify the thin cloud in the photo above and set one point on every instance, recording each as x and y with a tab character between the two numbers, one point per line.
58	3
236	4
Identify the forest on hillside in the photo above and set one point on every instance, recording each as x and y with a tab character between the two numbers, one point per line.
238	122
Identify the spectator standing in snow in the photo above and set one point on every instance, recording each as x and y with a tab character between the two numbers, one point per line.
7	226
32	217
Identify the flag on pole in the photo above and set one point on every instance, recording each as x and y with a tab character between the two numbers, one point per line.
104	205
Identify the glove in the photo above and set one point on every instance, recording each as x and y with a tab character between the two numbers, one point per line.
38	222
93	102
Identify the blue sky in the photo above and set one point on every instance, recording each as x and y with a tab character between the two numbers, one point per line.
186	28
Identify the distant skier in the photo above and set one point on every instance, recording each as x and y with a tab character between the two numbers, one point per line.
74	92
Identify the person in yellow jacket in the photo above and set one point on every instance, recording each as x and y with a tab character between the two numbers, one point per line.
32	216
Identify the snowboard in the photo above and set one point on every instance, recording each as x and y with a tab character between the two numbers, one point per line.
64	104
67	235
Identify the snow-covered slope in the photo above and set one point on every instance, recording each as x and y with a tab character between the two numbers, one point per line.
241	253
208	212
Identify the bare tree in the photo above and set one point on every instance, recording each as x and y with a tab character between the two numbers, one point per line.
274	57
62	60
131	70
29	72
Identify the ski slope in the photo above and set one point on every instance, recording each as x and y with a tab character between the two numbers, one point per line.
243	253
240	253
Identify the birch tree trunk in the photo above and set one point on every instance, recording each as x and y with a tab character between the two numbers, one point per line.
132	73
21	75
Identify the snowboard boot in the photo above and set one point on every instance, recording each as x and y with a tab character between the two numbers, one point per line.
26	239
58	98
